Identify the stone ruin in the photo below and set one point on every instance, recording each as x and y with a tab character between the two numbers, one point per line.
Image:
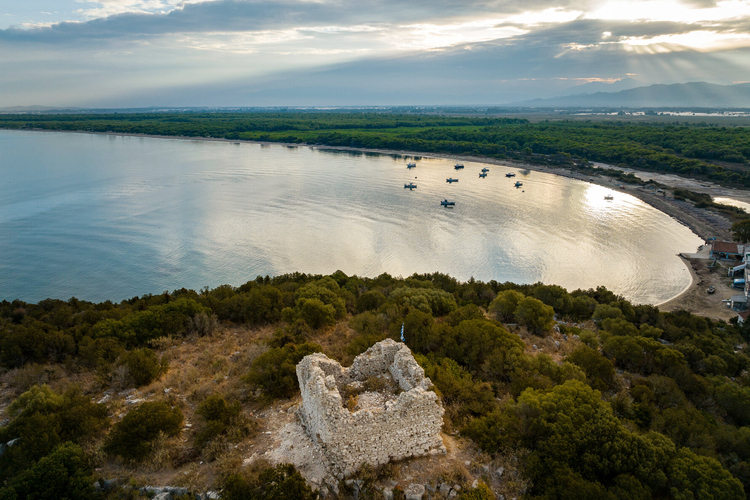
377	410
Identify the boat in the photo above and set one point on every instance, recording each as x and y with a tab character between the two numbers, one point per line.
447	203
411	165
518	184
710	290
609	197
451	180
485	169
411	185
510	174
458	166
483	175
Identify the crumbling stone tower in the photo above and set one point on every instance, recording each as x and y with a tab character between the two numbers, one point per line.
387	413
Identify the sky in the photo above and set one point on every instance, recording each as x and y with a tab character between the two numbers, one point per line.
141	53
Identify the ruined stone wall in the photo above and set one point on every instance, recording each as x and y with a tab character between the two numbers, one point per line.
406	424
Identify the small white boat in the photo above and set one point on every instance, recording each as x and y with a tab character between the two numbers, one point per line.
609	197
451	180
411	165
458	166
483	174
411	185
518	184
485	169
447	203
510	174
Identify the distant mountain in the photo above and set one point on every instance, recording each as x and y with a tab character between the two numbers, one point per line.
593	87
679	95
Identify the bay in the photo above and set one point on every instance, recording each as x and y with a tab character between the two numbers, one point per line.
110	217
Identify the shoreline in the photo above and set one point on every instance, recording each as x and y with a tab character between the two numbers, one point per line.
702	222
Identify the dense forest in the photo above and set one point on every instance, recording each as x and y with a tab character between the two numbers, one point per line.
689	150
627	403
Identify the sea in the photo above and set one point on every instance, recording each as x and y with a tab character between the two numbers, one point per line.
109	217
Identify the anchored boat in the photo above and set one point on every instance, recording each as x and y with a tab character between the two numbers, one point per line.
485	169
451	180
483	175
510	174
458	166
411	165
447	203
518	184
411	185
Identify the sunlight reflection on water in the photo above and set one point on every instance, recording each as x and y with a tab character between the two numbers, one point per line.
105	217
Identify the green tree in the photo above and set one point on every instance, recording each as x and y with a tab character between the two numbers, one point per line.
741	231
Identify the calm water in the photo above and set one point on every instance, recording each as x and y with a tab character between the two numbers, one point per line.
106	217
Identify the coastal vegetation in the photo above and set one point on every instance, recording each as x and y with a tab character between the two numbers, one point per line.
592	396
719	154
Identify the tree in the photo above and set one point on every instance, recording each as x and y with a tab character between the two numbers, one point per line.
535	315
741	231
600	373
275	371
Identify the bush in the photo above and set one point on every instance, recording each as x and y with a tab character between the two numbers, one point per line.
369	301
505	305
143	366
132	438
63	474
282	482
535	315
275	371
43	419
217	415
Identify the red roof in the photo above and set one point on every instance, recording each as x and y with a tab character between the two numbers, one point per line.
744	315
726	247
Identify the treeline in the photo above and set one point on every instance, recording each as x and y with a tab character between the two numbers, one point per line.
682	149
625	402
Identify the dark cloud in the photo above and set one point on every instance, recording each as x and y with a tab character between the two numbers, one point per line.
254	15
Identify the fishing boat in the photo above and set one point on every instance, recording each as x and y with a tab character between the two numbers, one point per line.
447	203
609	197
518	184
411	165
451	180
510	174
483	175
411	185
485	169
458	166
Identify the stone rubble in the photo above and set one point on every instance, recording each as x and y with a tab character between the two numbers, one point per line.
387	426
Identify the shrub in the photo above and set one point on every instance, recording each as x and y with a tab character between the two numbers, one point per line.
217	416
282	482
65	473
133	436
535	315
369	301
43	419
275	371
505	305
143	366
